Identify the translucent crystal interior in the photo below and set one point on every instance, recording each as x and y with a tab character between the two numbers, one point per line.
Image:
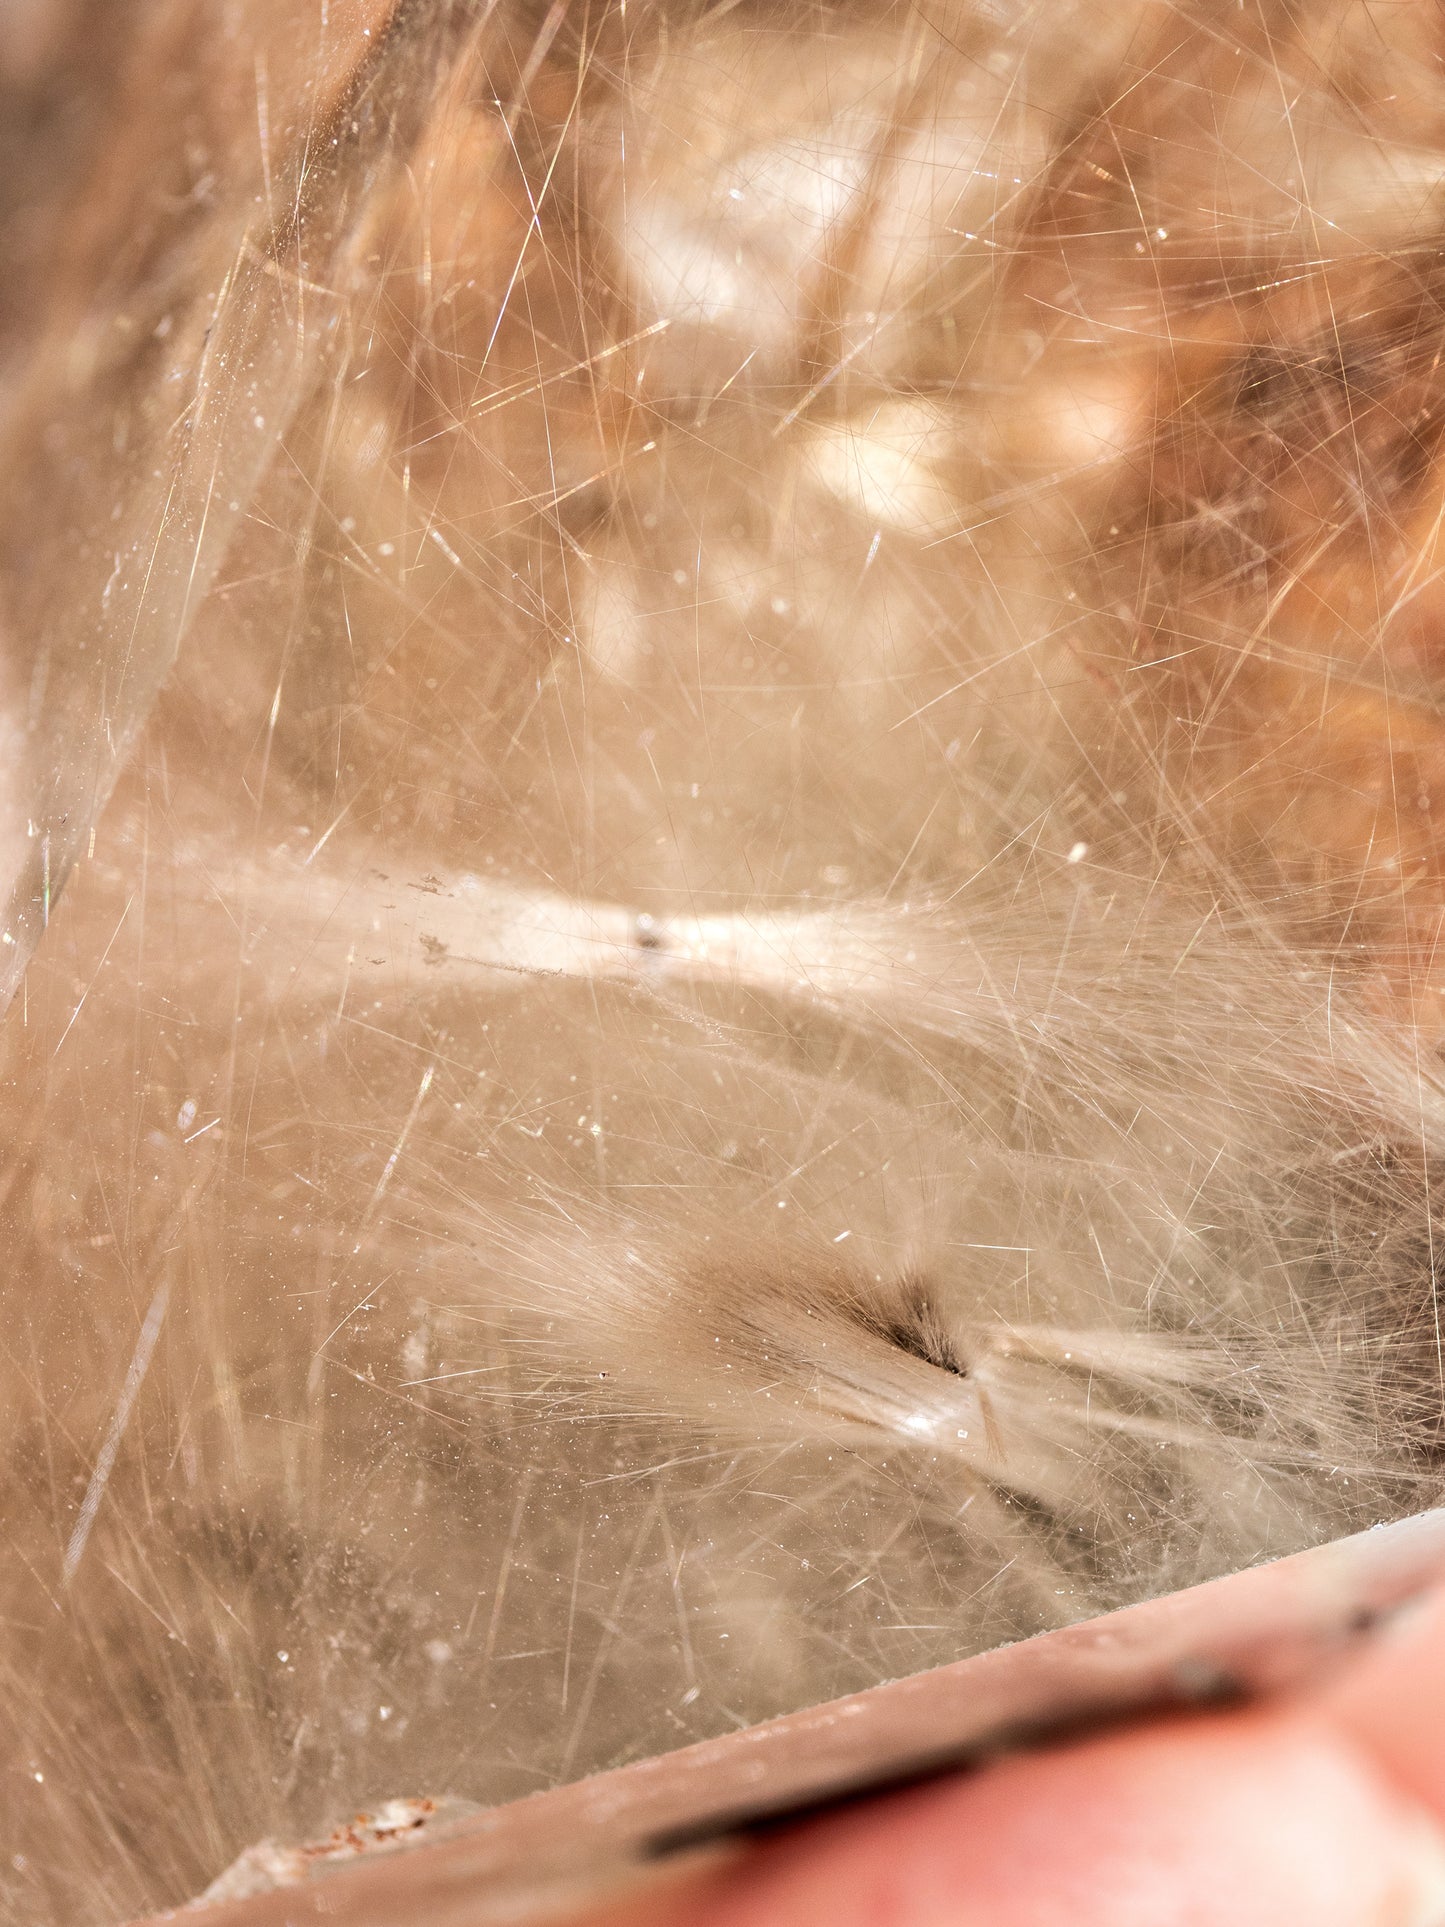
721	728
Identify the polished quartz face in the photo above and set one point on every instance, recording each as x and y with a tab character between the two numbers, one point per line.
721	748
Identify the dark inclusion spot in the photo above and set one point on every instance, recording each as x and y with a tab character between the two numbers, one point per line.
919	1329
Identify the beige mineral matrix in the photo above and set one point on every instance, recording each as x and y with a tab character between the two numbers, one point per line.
721	797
